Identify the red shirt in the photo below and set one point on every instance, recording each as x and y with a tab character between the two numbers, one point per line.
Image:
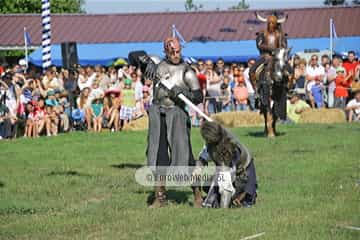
341	87
350	67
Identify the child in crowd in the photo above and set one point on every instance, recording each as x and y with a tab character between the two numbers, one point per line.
317	92
225	96
97	113
146	99
241	95
128	106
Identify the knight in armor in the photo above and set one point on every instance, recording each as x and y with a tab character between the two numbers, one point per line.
267	42
237	185
169	123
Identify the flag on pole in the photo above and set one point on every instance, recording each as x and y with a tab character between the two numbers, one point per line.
27	37
333	30
46	33
177	34
27	42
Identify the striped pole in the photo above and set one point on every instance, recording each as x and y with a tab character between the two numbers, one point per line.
46	34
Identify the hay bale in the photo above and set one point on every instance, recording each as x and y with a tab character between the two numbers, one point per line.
239	119
138	124
327	116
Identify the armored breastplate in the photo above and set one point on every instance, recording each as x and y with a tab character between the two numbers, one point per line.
171	73
271	40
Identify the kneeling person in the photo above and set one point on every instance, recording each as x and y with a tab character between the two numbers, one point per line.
234	184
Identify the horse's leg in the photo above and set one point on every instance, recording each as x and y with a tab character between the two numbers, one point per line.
274	123
269	124
265	121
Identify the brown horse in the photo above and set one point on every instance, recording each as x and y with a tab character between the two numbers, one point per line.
272	86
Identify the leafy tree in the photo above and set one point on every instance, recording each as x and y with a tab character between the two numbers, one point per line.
240	6
191	6
34	6
334	2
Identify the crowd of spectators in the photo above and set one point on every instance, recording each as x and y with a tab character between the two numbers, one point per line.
94	97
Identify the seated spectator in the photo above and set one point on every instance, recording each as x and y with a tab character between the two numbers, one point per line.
317	92
353	108
342	85
52	121
97	108
41	115
128	103
31	128
241	95
83	103
295	106
112	105
96	91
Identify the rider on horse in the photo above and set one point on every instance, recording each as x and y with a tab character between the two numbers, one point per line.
267	42
268	72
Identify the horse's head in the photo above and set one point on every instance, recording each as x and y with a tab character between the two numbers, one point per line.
280	60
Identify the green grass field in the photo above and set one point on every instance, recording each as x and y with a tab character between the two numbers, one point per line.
82	186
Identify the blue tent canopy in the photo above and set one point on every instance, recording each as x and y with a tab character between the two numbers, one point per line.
230	51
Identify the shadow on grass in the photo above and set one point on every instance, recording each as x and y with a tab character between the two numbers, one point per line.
68	173
178	197
262	134
2	184
127	165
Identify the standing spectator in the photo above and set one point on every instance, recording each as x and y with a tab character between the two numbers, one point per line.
341	90
220	65
249	85
300	78
241	94
325	60
138	86
225	95
350	66
329	79
128	103
353	107
213	88
103	78
5	121
317	92
313	72
83	81
146	99
201	66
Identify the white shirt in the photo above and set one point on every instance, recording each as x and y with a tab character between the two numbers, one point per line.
83	84
315	71
354	103
247	81
138	91
96	93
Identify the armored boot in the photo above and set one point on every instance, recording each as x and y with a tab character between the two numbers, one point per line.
197	197
269	127
160	197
